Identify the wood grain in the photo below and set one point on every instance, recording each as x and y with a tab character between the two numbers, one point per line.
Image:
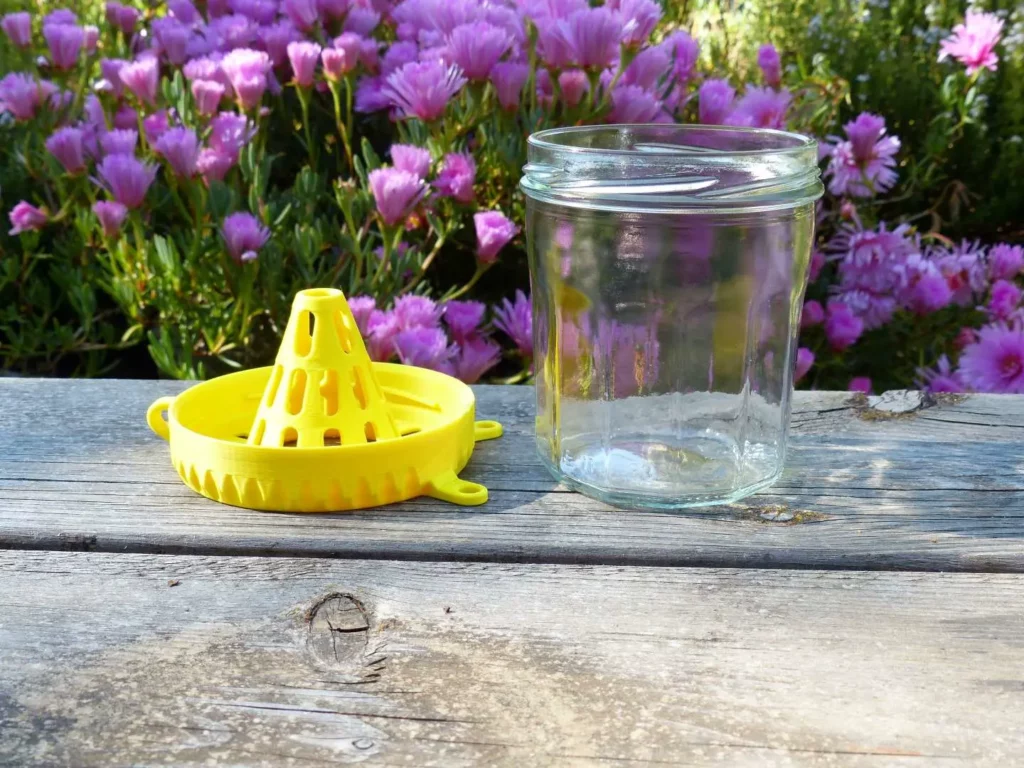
110	659
894	486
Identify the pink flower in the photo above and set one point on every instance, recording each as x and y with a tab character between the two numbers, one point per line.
244	235
770	64
508	78
594	34
573	84
20	95
180	148
816	265
715	99
761	108
638	19
942	379
18	27
276	39
493	232
247	70
870	260
554	45
424	347
142	77
683	51
964	268
343	57
646	69
1005	261
813	314
119	142
66	145
126	178
1004	300
860	384
477	47
229	132
214	164
995	363
416	312
973	42
423	89
156	125
632	104
303	57
408	157
396	192
382	327
208	95
362	307
302	13
863	165
463	318
516	320
842	327
804	361
455	179
65	42
172	37
930	294
111	216
26	218
475	357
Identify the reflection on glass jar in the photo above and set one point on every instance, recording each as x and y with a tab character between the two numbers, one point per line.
668	267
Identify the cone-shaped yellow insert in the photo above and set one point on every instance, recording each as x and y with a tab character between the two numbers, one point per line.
322	391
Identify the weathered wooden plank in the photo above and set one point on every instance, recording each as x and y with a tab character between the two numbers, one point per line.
939	488
155	660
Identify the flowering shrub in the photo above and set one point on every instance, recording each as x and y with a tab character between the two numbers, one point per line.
177	171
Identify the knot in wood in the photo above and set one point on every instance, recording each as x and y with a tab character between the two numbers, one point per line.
338	629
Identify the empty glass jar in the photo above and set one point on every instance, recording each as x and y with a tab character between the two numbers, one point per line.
668	266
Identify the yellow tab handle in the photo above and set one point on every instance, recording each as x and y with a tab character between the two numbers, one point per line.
486	430
155	417
448	487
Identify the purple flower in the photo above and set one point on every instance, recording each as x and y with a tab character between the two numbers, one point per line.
930	293
573	84
508	78
111	69
362	307
973	42
303	57
142	77
463	318
229	132
870	260
804	361
516	320
1004	300
208	94
125	118
60	16
172	37
1005	261
632	104
119	142
863	164
416	312
369	54
343	57
995	363
361	21
715	100
18	27
842	327
594	34
860	384
554	45
683	51
65	42
424	347
66	145
646	69
398	55
964	269
111	216
247	70
333	9
229	33
942	379
475	357
761	108
477	47
183	11
244	235
408	157
813	314
872	309
396	192
155	126
214	164
206	68
493	232
26	217
382	327
302	13
124	17
20	95
455	179
276	38
423	89
638	19
180	148
126	178
770	64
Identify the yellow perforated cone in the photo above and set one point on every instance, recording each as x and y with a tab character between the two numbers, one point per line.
322	389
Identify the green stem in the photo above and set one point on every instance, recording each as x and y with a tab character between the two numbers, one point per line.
481	269
341	124
304	103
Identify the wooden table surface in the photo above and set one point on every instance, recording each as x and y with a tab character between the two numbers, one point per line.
868	610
